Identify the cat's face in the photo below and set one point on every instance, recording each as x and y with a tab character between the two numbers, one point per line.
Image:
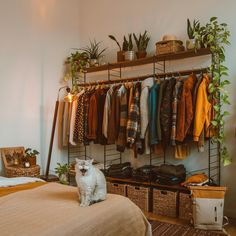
83	166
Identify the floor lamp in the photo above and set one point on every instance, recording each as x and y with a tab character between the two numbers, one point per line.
67	98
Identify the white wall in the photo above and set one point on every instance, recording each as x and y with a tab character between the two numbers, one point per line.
100	18
36	37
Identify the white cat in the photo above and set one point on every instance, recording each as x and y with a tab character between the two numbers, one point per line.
91	182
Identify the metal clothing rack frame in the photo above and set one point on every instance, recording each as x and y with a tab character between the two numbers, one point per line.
115	70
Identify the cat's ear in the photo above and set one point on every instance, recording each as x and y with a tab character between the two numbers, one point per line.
91	161
77	160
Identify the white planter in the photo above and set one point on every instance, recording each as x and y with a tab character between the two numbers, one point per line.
63	178
129	55
192	44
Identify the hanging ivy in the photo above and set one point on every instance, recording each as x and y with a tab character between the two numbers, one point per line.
216	36
76	66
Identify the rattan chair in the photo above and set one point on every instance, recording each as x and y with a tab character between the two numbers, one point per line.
16	171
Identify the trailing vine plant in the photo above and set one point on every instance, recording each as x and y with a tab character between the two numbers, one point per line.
76	66
216	36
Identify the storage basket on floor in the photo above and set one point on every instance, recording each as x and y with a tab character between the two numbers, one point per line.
185	206
140	196
164	202
116	188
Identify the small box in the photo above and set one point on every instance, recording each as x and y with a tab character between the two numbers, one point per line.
164	203
140	196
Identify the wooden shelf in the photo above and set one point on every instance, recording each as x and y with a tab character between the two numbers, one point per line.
151	59
146	183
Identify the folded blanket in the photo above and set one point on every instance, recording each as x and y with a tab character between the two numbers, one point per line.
8	182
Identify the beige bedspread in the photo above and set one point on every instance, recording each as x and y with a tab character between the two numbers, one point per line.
53	210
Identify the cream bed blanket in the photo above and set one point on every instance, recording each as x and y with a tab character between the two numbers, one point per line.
53	210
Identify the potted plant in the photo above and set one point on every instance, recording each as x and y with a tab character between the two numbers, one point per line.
62	170
94	52
215	36
141	43
31	156
192	43
121	53
76	65
128	48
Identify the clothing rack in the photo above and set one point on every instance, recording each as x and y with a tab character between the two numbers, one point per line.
140	78
158	70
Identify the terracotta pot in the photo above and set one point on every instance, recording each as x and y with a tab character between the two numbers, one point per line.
140	54
120	56
32	160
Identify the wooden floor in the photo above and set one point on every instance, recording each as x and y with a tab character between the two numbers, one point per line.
230	229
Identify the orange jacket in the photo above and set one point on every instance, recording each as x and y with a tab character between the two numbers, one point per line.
185	109
203	110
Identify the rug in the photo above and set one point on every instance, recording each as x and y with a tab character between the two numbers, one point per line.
166	229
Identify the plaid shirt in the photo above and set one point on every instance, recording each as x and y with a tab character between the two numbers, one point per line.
133	124
121	140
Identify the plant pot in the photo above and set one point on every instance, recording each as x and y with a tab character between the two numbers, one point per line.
192	44
32	160
129	55
120	56
63	178
141	54
93	62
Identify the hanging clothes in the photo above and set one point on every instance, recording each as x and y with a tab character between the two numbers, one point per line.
144	100
123	104
160	98
100	109
203	110
73	117
176	95
112	124
133	124
185	109
78	131
107	111
166	111
92	117
153	101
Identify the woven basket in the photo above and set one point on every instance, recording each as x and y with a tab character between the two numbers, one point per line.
185	206
164	202
140	196
17	171
165	47
33	171
115	188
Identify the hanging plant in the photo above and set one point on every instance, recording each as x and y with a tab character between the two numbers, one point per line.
216	36
76	65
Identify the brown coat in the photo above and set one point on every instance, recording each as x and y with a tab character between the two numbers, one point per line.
185	109
92	118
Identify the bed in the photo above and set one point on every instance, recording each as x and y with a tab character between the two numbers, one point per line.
49	209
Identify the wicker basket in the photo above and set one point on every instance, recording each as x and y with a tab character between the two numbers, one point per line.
164	202
165	47
140	196
185	206
115	188
33	171
17	171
